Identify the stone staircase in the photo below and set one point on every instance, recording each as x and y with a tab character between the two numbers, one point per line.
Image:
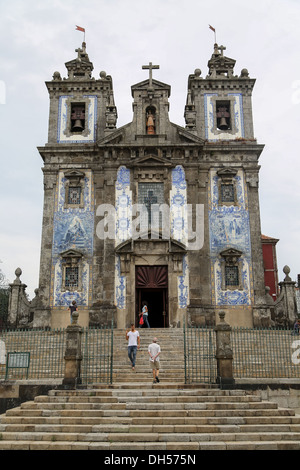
171	342
135	414
149	417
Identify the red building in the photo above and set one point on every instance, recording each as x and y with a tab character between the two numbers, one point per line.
270	264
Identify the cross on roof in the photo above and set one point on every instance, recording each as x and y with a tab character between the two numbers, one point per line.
150	67
222	48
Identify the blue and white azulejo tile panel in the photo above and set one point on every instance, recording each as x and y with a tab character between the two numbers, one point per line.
120	285
229	227
179	228
178	206
73	229
123	229
123	206
183	285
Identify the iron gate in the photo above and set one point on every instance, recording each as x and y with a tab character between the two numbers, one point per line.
97	355
199	354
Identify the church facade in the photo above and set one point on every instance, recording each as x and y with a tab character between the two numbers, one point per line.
151	211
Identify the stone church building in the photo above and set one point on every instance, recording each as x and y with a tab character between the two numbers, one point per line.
151	211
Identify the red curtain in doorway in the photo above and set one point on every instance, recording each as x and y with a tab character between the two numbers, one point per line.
151	277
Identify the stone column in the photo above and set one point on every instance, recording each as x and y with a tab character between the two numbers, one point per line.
73	355
224	354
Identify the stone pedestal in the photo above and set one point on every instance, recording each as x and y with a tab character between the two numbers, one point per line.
73	355
224	354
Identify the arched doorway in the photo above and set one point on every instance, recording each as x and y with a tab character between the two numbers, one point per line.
152	286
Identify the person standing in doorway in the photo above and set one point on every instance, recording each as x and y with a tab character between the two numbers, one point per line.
133	338
154	352
145	314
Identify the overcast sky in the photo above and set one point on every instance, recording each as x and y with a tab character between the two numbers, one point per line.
38	36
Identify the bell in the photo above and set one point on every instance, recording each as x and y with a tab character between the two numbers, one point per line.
77	126
223	124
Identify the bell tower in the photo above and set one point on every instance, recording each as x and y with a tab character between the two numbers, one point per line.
219	111
219	106
82	109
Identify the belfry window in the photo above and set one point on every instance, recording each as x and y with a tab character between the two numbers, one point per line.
223	115
77	117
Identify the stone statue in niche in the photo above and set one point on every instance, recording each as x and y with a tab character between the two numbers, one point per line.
150	123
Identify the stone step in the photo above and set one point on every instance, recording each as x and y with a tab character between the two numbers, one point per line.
85	411
190	399
157	433
146	385
218	429
159	446
184	416
48	411
87	416
114	391
202	443
228	402
88	409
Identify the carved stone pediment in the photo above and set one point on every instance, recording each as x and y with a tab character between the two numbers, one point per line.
150	160
71	254
131	246
145	247
227	174
74	174
231	255
156	85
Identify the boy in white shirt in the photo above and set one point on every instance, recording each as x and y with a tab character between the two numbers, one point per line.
154	352
133	338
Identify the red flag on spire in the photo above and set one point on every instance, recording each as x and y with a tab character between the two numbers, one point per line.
213	29
79	28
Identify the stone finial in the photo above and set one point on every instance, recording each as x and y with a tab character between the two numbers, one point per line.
222	325
197	73
222	316
244	73
75	316
56	76
18	273
287	271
